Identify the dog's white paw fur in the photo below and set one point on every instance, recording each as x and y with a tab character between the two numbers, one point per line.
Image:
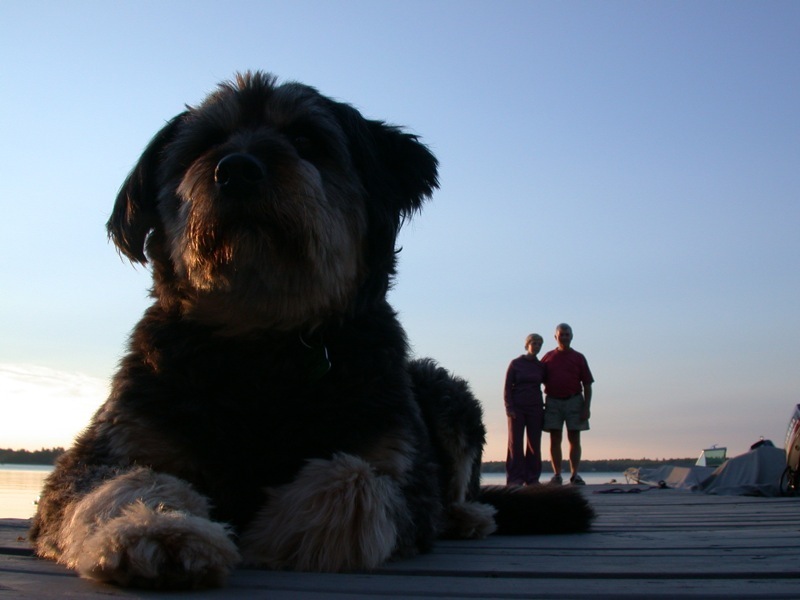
336	515
157	549
149	530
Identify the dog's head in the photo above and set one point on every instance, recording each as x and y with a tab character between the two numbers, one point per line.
271	206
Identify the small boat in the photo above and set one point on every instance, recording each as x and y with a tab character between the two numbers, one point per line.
712	457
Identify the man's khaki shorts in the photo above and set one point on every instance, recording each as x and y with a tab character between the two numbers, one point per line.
557	412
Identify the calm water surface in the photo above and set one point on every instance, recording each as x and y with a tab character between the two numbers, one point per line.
20	486
596	478
19	489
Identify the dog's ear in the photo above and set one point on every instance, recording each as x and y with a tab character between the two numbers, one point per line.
398	173
135	211
409	167
393	165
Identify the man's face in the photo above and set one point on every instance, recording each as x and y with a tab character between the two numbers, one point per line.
563	337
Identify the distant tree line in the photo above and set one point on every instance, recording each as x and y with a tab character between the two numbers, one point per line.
45	456
48	456
617	465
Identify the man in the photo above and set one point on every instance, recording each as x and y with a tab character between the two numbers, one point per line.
568	396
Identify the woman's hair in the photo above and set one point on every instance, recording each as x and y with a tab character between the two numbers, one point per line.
531	337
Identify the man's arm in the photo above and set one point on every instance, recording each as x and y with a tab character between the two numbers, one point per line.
587	401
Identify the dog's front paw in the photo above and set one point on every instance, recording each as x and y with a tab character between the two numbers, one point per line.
151	548
337	515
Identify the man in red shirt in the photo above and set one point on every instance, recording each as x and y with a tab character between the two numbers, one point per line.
568	395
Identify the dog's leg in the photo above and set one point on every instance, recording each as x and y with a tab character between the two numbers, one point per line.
465	518
146	529
455	423
337	515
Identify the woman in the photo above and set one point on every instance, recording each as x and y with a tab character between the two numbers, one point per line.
525	411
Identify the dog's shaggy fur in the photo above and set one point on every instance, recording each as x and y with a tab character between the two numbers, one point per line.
267	411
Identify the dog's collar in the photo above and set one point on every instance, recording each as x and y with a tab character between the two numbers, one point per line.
317	362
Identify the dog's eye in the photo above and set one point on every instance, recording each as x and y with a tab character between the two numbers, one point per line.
309	142
304	145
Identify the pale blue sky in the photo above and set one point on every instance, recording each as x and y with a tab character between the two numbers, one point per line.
632	168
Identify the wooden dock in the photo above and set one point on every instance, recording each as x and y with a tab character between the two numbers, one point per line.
654	543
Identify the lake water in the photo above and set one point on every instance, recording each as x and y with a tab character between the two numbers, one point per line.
20	486
19	489
594	478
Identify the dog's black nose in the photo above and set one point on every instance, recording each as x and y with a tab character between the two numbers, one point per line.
238	172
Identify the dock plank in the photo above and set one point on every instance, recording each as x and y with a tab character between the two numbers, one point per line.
656	544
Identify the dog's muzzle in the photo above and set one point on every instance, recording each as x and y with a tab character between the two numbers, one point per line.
239	173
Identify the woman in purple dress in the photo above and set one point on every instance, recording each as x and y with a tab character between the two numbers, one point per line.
525	411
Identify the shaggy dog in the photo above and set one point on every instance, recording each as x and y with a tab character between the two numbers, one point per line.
267	412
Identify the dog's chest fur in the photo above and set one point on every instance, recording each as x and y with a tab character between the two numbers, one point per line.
251	410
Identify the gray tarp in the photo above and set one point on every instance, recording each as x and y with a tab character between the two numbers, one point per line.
754	473
681	478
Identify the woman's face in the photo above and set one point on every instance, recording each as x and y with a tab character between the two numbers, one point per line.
534	346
